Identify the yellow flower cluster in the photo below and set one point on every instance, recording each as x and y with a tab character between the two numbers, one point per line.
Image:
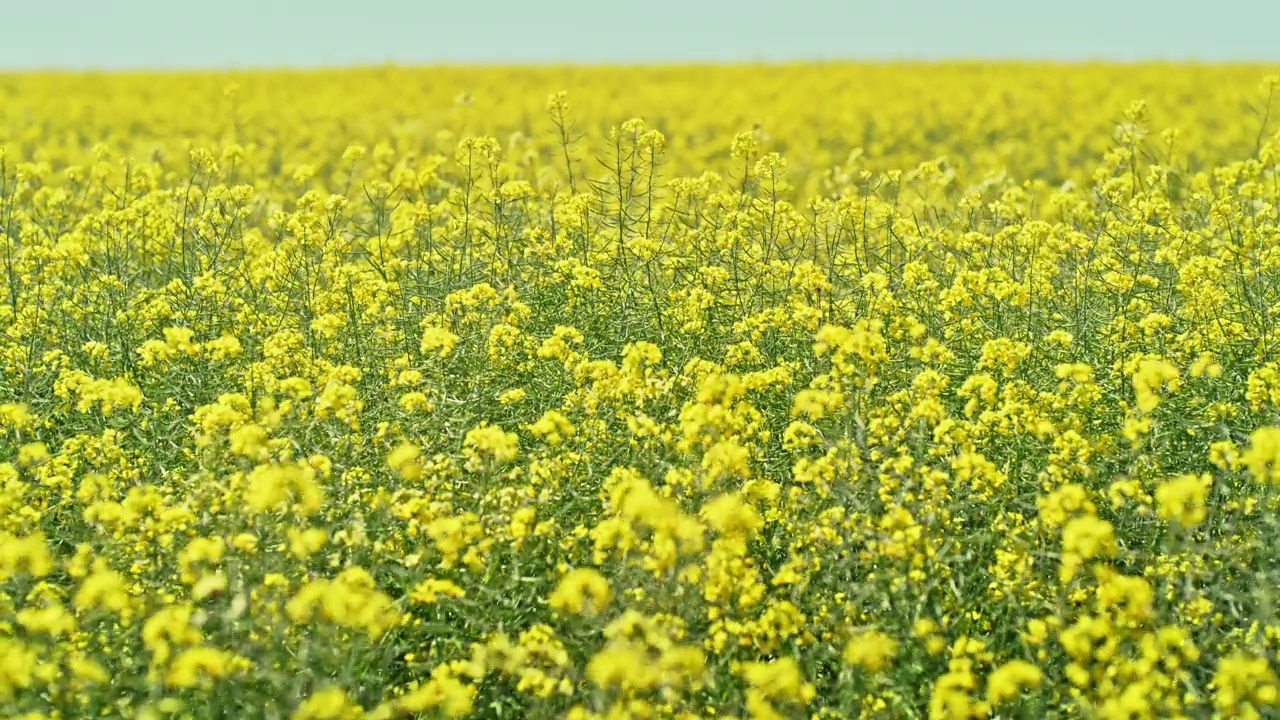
814	390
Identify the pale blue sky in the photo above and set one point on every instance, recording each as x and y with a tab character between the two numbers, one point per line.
227	33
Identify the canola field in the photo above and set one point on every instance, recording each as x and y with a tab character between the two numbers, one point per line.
798	391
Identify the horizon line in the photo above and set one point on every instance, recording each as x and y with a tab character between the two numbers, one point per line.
359	65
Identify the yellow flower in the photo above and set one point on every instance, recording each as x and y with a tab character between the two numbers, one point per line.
306	542
779	679
1206	365
438	340
432	589
621	665
1006	682
816	403
87	670
168	627
512	396
1182	499
278	486
18	664
553	427
1083	539
730	516
1243	684
329	703
27	555
582	591
443	691
208	585
871	650
249	441
1150	378
727	458
486	445
1262	457
15	415
103	588
33	454
415	401
404	459
200	665
51	618
247	542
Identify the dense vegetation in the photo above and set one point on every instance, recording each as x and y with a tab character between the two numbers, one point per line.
942	391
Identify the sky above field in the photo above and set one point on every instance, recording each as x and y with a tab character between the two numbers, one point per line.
252	33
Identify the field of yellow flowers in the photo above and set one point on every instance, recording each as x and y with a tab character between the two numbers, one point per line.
818	390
